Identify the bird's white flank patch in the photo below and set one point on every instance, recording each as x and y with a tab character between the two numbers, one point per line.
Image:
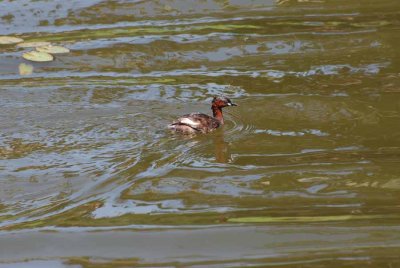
189	122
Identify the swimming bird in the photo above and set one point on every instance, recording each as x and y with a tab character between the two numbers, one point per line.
202	123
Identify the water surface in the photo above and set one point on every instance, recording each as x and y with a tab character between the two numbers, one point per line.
304	173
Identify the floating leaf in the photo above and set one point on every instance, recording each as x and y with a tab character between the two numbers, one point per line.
303	219
167	8
370	24
33	44
25	69
38	56
7	40
53	49
391	184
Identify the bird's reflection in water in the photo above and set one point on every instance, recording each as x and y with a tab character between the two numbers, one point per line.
222	154
221	147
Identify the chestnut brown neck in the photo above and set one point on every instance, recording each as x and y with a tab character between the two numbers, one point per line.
217	113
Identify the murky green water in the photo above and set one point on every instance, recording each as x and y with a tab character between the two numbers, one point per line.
305	172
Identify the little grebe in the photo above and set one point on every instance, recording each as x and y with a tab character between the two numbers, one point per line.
202	123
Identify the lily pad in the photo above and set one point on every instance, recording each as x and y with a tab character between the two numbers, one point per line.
304	218
33	44
25	69
7	40
53	49
38	56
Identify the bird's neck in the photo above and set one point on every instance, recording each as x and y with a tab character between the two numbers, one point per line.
217	113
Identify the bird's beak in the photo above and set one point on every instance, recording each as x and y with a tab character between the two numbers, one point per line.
232	104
